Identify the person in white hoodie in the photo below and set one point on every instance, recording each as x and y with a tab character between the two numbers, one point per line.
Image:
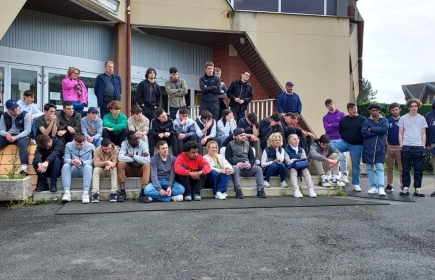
26	104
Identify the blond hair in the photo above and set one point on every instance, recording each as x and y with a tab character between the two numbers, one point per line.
209	143
273	137
71	69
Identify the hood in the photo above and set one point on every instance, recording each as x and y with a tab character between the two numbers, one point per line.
335	112
380	117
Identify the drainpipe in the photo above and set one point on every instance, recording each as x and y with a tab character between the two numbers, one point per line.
128	58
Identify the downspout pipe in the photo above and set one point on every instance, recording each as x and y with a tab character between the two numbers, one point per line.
128	58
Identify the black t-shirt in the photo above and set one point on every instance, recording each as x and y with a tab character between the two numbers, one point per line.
350	129
40	121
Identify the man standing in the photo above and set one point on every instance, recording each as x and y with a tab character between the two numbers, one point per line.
289	101
176	89
162	128
240	94
92	127
210	87
15	128
393	148
412	140
68	123
163	186
148	94
374	130
352	140
47	162
108	87
105	160
331	122
221	97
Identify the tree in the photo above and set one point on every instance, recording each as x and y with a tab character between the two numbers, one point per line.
368	94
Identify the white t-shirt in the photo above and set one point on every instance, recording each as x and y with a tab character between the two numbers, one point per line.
412	126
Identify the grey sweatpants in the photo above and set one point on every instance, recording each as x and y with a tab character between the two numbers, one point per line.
253	171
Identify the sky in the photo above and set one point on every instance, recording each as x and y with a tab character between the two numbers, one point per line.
399	45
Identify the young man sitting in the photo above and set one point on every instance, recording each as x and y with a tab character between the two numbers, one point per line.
207	125
139	123
68	123
163	186
185	128
115	124
105	160
47	123
47	162
92	127
162	129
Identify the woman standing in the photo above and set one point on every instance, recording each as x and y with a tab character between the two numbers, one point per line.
273	160
74	90
225	126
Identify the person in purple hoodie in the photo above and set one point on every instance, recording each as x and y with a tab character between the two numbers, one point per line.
330	122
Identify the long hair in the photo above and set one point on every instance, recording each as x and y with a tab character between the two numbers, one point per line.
225	113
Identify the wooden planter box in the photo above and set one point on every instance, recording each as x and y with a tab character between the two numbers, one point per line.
15	189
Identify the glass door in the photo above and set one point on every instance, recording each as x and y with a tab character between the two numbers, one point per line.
2	83
23	78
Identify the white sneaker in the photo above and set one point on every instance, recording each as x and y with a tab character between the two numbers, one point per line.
373	190
266	184
298	194
284	184
225	194
85	198
66	197
176	198
344	179
357	188
312	193
150	198
257	162
340	184
219	195
382	191
326	184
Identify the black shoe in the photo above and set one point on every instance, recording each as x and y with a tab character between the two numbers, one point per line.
42	186
113	197
143	198
24	172
261	193
389	188
53	187
404	191
418	193
121	197
95	198
239	194
432	194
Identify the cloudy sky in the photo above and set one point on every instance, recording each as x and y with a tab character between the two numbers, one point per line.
399	45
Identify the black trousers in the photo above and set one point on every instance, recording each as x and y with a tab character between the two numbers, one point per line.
412	156
67	137
182	141
116	139
191	186
149	112
238	114
212	107
171	140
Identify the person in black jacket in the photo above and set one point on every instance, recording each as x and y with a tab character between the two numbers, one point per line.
240	94
68	123
268	126
148	94
210	87
162	128
47	162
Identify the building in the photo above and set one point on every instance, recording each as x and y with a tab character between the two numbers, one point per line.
315	44
423	91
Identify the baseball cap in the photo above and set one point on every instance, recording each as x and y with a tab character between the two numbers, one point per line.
289	84
11	104
238	131
92	110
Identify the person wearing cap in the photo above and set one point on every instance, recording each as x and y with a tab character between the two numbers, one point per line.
374	131
176	89
68	123
241	156
15	128
240	94
289	101
92	127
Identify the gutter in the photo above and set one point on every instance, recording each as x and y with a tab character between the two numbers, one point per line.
128	57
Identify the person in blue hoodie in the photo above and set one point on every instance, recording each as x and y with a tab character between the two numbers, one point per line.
185	128
374	132
92	127
430	136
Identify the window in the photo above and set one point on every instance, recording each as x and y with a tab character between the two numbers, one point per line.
2	84
304	6
257	5
430	98
331	7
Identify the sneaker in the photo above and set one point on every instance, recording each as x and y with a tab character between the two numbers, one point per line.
239	194
85	198
344	179
219	195
432	194
337	183
95	198
284	184
389	188
42	186
297	194
121	197
113	197
326	184
225	194
187	198
66	197
24	172
150	199
418	192
197	197
53	187
257	162
312	193
373	190
405	191
266	184
144	199
382	191
32	141
261	193
177	198
357	188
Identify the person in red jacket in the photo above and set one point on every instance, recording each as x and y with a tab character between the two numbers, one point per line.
191	168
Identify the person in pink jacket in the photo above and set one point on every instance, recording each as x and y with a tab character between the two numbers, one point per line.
74	90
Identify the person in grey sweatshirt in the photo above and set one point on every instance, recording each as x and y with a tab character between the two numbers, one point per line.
185	128
163	186
133	161
78	163
92	127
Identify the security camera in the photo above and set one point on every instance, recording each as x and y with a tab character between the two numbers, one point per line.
242	40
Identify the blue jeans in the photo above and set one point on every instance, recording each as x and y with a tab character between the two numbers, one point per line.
71	171
355	155
78	106
221	138
218	181
22	145
97	142
152	192
275	169
343	162
379	173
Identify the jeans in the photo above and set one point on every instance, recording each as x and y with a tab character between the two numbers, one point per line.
173	112
78	106
275	169
71	171
149	112
97	142
52	172
221	138
103	109
152	192
192	186
218	181
412	156
343	162
379	173
355	155
22	145
171	140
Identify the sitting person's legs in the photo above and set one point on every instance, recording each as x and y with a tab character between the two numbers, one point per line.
152	192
